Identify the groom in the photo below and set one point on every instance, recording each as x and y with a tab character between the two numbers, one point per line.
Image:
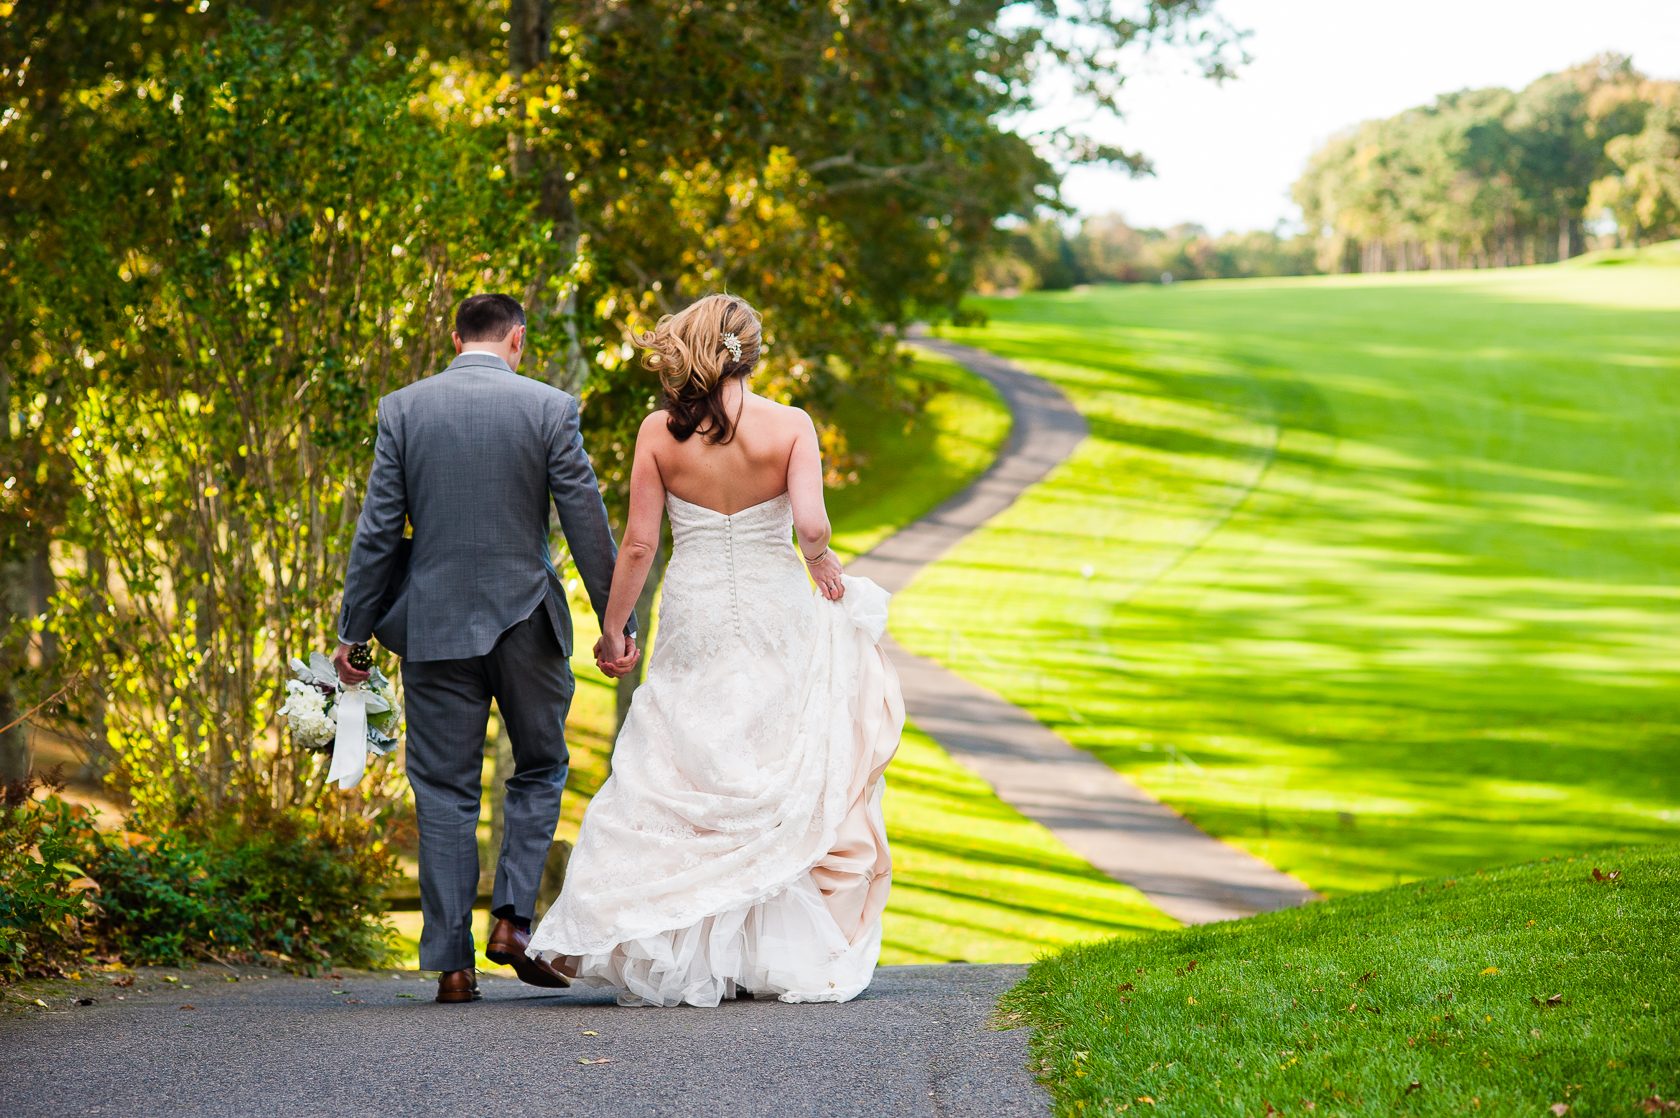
468	459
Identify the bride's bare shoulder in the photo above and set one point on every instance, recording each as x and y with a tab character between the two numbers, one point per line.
655	427
784	417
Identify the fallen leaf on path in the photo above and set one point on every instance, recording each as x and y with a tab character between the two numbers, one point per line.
602	1060
124	980
1491	970
1414	1085
352	1001
1559	1108
40	1003
1656	1104
84	1001
189	1007
1599	875
591	1034
1147	1099
1364	978
1554	1000
1308	1104
1125	986
1270	1110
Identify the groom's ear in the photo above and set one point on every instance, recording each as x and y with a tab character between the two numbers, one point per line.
456	338
518	339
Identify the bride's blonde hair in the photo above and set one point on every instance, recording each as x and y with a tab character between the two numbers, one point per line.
692	353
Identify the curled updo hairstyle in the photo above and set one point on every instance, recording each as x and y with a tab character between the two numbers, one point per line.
688	352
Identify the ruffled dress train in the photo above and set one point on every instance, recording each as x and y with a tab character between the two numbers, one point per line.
739	843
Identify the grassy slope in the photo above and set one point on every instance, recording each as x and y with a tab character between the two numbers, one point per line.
1414	1000
973	879
1373	576
912	463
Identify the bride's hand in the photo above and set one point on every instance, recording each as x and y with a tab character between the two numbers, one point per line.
616	655
825	572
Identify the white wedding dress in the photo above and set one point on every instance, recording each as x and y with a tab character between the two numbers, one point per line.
739	843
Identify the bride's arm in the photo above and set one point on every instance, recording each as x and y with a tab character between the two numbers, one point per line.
810	517
635	555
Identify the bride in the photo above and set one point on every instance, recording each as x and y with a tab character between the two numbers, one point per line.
738	846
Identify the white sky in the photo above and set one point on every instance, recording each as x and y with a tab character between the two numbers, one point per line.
1225	156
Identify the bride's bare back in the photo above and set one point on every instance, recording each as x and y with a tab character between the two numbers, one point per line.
773	446
704	356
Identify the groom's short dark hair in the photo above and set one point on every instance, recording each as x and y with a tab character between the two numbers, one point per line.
488	318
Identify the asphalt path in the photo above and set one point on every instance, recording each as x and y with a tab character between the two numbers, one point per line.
919	1041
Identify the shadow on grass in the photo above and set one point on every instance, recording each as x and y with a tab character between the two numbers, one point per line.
1446	610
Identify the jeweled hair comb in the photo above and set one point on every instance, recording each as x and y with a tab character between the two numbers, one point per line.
733	345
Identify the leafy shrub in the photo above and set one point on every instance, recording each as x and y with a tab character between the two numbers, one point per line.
44	888
292	885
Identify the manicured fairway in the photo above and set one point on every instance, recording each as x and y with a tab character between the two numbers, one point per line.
1373	576
972	878
1505	993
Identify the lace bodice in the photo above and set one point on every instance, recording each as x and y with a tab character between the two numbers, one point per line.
733	578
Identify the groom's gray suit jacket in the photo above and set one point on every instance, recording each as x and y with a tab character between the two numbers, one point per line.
470	458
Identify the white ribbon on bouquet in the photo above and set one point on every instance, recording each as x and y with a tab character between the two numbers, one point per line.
350	745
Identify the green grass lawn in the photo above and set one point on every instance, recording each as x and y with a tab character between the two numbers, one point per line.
973	879
1511	992
910	463
1372	576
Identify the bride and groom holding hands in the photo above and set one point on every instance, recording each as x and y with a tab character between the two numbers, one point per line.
738	846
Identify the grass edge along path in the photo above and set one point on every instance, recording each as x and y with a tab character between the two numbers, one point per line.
1505	992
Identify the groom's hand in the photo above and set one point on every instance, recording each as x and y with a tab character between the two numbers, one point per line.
346	673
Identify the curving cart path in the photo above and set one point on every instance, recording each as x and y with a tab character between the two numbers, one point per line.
1101	815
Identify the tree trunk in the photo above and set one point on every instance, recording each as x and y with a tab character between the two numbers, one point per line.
14	743
501	748
530	34
98	746
644	617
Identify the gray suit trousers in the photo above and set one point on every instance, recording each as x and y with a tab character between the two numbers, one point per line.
448	705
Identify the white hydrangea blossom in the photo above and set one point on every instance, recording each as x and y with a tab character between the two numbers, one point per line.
305	712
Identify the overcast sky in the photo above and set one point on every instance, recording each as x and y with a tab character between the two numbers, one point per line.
1225	156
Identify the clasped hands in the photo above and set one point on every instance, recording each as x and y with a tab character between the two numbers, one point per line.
616	655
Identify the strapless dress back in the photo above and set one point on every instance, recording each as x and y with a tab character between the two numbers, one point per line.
739	843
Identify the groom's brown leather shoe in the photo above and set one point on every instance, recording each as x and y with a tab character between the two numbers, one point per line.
507	947
458	986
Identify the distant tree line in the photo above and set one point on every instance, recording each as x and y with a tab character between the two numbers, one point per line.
1491	178
1042	254
1478	179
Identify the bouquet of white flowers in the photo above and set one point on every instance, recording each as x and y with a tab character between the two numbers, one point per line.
323	714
